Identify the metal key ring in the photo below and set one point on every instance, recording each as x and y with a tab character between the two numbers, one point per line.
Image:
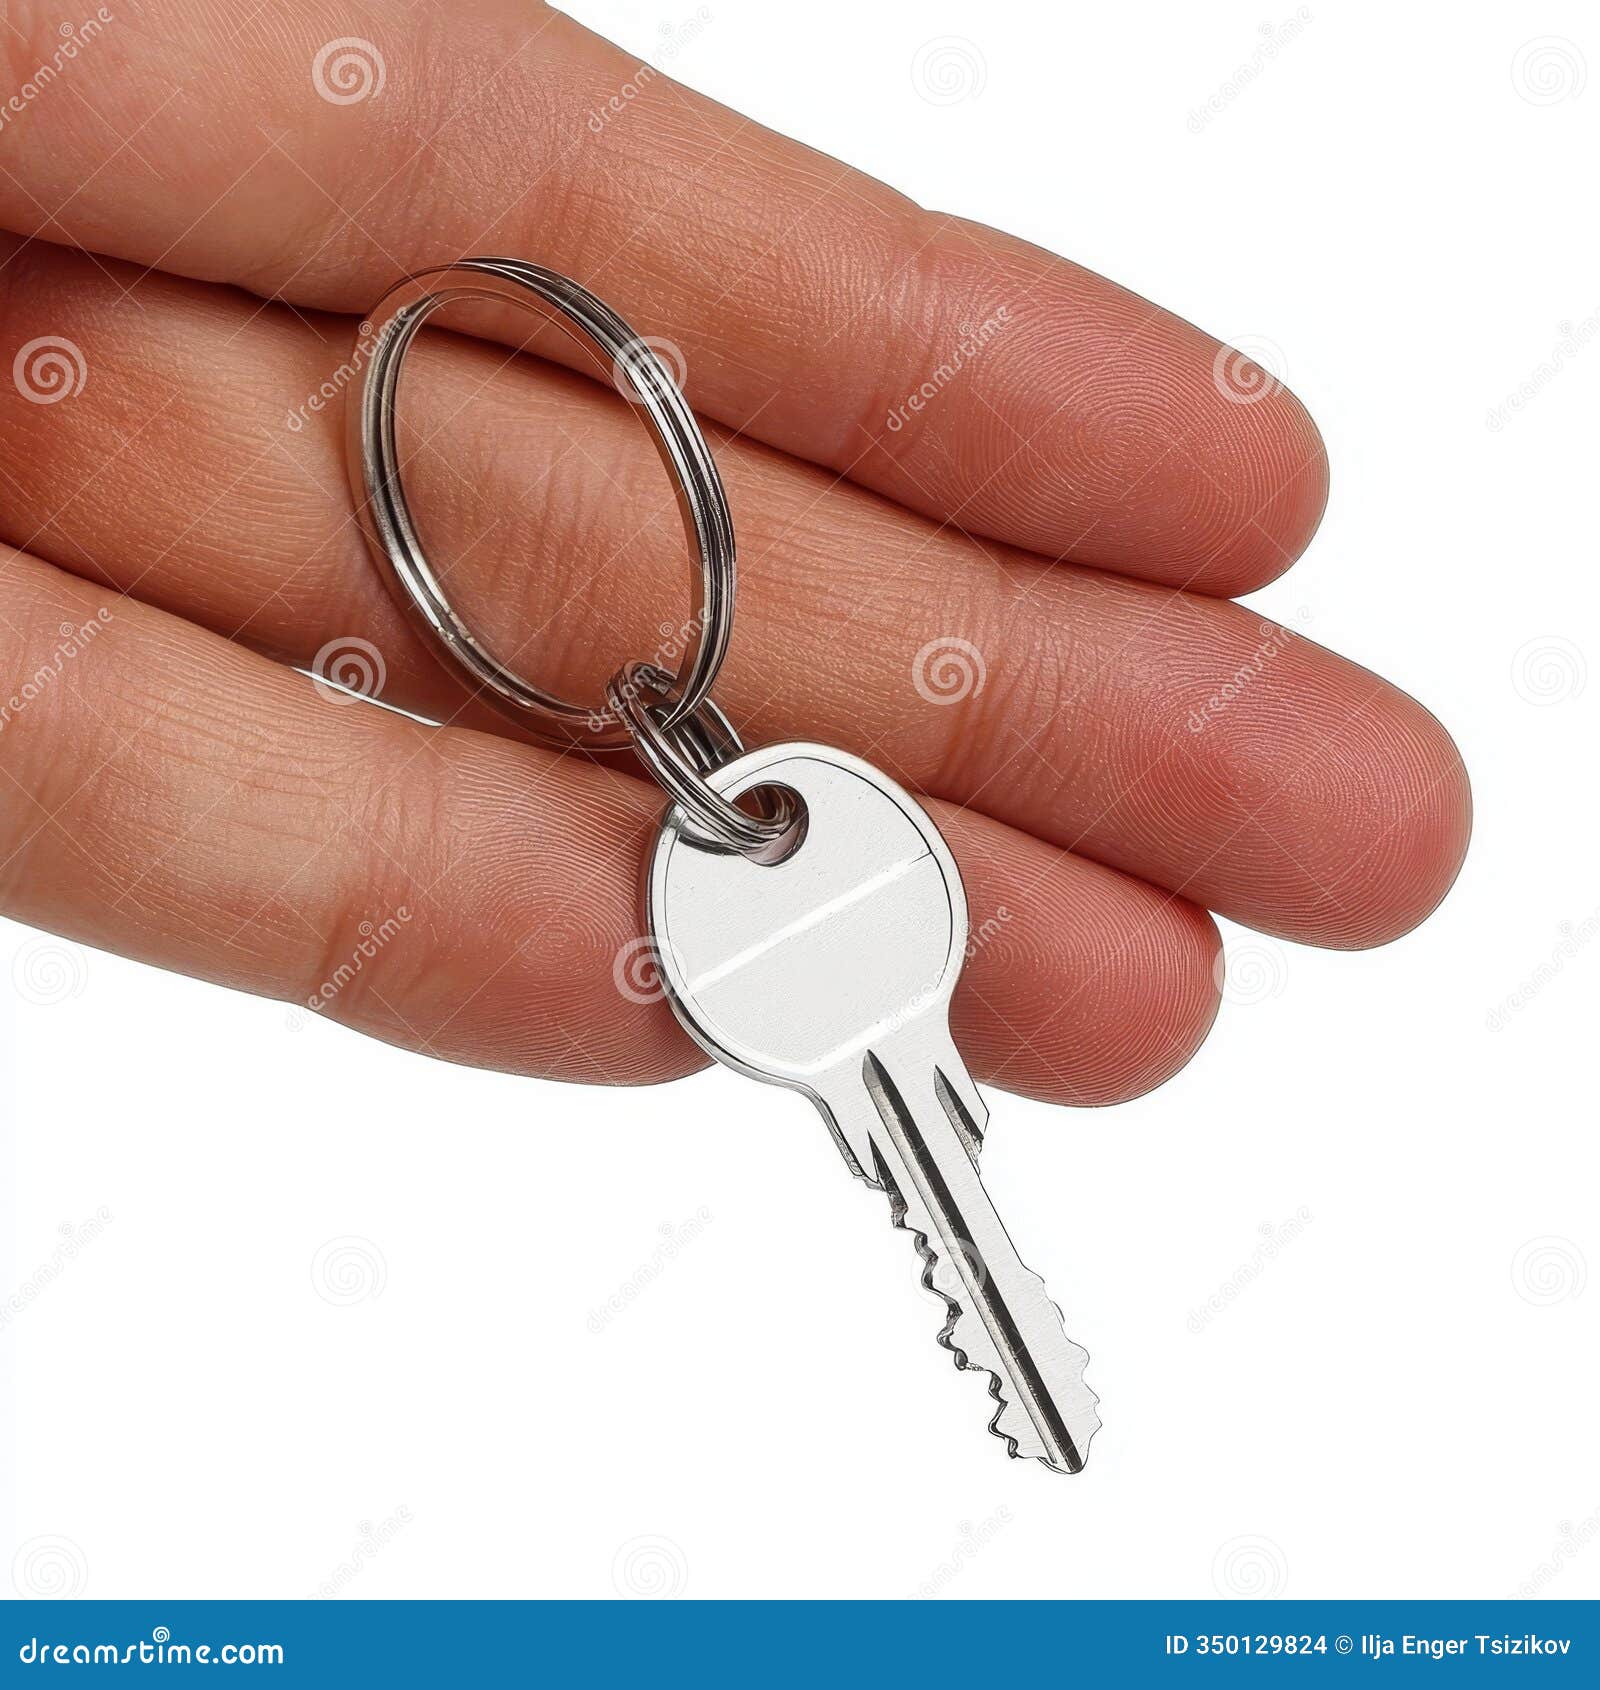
680	755
374	469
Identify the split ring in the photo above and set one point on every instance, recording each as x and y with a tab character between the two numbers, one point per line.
374	468
680	756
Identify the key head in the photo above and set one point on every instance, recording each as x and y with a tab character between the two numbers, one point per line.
789	971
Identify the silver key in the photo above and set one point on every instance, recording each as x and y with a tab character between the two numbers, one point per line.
831	972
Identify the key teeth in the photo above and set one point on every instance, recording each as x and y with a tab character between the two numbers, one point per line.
963	1358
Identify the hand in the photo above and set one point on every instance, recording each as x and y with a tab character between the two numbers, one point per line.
991	509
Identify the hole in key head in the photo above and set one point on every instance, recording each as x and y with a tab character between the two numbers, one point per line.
768	803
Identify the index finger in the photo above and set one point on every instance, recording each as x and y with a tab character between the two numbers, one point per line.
966	374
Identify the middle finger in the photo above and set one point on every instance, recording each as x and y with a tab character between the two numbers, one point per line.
198	469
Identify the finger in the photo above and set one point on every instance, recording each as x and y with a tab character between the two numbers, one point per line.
1178	738
170	796
968	375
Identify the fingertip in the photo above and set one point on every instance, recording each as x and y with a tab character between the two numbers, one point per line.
1260	483
1165	1000
1409	839
1086	986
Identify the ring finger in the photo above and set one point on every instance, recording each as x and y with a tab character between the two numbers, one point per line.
196	469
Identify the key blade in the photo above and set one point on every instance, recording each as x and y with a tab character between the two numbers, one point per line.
1002	1320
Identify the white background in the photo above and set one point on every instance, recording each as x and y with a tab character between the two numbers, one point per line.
1392	206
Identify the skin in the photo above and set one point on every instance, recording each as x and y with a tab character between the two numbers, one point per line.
1078	502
